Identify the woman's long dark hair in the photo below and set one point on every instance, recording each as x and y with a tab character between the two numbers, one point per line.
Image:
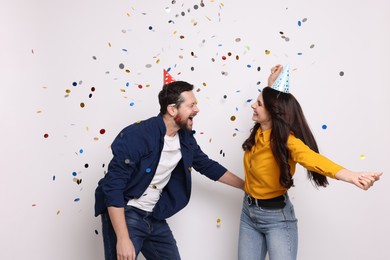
287	117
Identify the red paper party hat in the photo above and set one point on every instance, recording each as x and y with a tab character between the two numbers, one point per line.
167	78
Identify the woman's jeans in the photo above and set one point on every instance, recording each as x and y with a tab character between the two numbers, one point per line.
269	230
150	236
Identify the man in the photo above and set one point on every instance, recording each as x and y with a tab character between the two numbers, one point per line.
149	178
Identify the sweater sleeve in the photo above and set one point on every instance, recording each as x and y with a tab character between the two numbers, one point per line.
310	159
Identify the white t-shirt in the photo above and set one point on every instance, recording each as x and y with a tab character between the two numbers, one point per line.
170	157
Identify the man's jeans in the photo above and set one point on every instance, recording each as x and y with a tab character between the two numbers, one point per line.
265	230
152	237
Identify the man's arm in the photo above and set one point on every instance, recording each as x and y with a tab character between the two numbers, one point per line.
232	180
124	246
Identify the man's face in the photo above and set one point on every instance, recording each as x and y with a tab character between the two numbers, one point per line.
187	111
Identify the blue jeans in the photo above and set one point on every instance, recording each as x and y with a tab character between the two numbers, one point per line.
150	236
265	230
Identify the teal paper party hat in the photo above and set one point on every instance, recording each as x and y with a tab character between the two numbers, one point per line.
282	83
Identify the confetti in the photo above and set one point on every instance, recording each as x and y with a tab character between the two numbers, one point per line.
218	222
102	131
362	157
324	127
341	73
76	199
46	135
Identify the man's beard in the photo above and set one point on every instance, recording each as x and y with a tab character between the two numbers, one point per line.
183	124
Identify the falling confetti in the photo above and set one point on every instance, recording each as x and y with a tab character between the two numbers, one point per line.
46	135
233	118
362	157
324	127
341	73
218	222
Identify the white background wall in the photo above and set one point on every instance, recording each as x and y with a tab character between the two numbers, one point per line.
46	46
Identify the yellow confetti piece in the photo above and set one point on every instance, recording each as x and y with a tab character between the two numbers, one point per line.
204	84
362	157
218	220
123	90
67	91
127	71
96	138
267	52
158	61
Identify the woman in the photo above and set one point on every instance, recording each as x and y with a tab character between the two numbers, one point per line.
279	140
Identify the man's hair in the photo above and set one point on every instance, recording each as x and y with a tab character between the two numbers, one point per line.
171	94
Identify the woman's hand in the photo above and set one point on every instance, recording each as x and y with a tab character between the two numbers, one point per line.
363	180
275	71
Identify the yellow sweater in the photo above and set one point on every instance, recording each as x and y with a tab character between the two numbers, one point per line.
262	171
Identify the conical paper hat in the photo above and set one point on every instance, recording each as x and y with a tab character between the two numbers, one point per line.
167	78
282	83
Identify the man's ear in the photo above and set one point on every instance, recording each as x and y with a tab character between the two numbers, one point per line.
172	110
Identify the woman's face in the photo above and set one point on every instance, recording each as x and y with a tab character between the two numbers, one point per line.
260	113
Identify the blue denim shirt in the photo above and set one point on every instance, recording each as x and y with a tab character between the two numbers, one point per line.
136	154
